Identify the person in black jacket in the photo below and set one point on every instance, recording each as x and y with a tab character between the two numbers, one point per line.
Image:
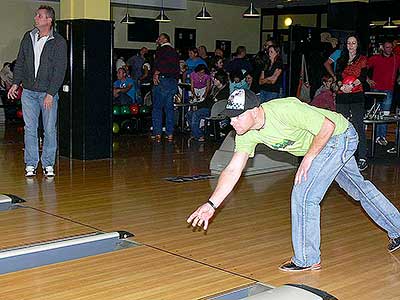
219	91
40	67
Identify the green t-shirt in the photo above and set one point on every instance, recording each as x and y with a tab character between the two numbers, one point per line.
290	125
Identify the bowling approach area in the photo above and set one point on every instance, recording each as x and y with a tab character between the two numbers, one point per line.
154	254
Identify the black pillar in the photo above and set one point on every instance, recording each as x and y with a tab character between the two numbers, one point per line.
350	16
85	107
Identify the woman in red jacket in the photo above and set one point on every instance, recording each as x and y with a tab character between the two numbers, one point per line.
351	75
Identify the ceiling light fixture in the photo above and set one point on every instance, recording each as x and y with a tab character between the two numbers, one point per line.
251	12
389	24
162	17
127	19
203	14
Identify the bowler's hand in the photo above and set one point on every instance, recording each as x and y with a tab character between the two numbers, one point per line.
12	92
302	171
48	101
201	216
346	88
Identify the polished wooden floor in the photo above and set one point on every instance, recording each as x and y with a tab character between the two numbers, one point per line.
245	243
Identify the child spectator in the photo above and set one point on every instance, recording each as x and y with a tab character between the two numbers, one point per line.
192	62
238	81
219	91
200	83
325	97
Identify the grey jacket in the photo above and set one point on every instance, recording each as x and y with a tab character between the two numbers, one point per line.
53	64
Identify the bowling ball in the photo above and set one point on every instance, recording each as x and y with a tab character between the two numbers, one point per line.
20	129
115	128
115	146
134	109
129	126
144	109
350	80
125	110
19	114
116	110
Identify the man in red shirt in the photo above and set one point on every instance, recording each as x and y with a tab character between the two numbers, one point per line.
385	67
396	49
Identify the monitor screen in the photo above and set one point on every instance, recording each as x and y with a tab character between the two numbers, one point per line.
144	30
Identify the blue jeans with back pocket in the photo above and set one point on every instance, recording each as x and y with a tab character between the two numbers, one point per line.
335	162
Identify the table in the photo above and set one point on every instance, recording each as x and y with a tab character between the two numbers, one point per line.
181	108
385	120
184	87
377	98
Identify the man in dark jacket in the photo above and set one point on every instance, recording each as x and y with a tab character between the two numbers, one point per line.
166	72
40	67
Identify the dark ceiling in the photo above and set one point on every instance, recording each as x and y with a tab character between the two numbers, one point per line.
275	3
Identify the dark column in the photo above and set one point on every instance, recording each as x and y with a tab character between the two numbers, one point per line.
85	110
350	16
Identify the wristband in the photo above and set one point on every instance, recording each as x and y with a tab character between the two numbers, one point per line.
212	204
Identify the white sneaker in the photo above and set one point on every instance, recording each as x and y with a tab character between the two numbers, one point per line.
49	171
392	150
30	171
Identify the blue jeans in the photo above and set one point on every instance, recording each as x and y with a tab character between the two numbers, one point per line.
335	162
194	118
32	105
386	105
267	96
163	99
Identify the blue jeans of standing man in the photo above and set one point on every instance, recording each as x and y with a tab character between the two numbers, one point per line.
386	105
335	162
32	105
163	99
194	118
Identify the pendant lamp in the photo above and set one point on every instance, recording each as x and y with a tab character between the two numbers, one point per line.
389	24
251	12
203	14
127	19
162	17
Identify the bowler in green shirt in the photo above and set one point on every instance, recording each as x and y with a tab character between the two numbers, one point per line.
327	141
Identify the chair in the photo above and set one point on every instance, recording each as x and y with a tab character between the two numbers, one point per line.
148	99
213	121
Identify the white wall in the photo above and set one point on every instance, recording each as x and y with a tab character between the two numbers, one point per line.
227	24
16	17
